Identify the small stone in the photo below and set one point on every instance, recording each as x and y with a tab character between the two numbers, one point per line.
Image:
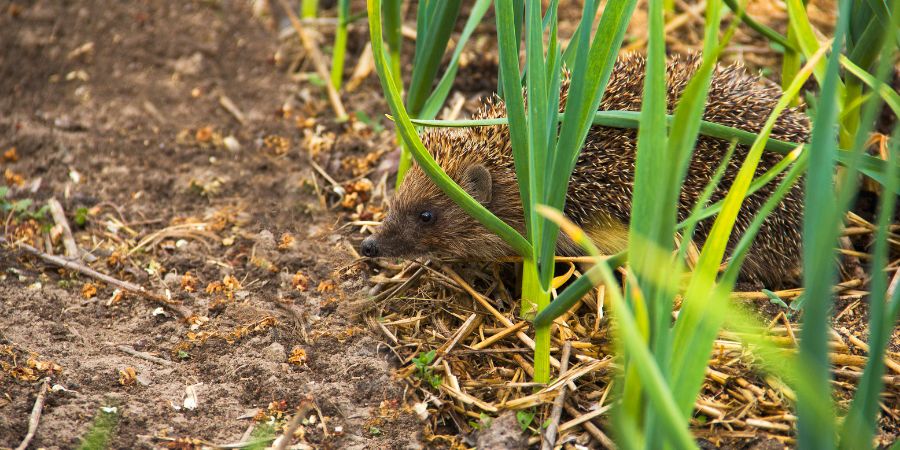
421	410
275	352
171	278
143	379
265	240
189	65
503	433
231	143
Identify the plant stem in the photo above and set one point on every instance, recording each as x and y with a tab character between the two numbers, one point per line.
790	64
405	163
338	55
309	9
534	300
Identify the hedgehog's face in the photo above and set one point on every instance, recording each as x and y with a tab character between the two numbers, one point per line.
422	220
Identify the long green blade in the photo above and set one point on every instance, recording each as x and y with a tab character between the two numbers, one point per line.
436	100
508	49
340	44
758	183
631	343
594	63
889	95
820	232
859	425
806	38
874	168
648	231
430	46
536	108
408	132
689	225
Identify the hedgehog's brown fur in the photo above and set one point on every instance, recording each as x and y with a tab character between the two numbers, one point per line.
599	195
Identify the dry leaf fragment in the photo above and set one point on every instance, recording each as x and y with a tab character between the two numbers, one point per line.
127	376
298	356
325	286
115	259
13	179
189	282
89	290
287	241
10	155
215	286
300	281
204	134
264	264
48	367
277	145
350	200
116	297
231	284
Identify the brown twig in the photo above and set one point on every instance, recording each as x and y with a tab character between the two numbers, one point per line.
549	439
292	426
232	109
487	305
144	355
317	59
364	67
794	293
322	419
464	331
59	216
35	414
183	312
594	431
500	335
298	315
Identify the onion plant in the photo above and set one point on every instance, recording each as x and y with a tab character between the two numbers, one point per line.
544	158
664	362
435	20
309	9
682	354
339	51
866	38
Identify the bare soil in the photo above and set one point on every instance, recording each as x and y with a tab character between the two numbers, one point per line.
115	107
196	154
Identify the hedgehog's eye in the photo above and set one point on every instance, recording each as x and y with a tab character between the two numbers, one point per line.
426	217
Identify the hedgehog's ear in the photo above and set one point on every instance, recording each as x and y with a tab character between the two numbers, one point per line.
476	180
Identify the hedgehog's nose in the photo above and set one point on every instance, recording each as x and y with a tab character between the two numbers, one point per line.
369	247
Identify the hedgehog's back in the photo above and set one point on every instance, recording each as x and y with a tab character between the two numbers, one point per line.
601	187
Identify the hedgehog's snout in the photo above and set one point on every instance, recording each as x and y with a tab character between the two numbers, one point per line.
369	247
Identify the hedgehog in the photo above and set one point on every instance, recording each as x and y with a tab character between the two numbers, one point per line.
423	221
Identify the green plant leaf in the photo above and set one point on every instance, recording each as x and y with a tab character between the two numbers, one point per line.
631	343
859	424
432	37
339	51
888	94
874	168
820	234
524	417
593	65
437	98
508	49
701	315
431	168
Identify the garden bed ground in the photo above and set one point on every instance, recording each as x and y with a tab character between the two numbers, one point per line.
196	155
